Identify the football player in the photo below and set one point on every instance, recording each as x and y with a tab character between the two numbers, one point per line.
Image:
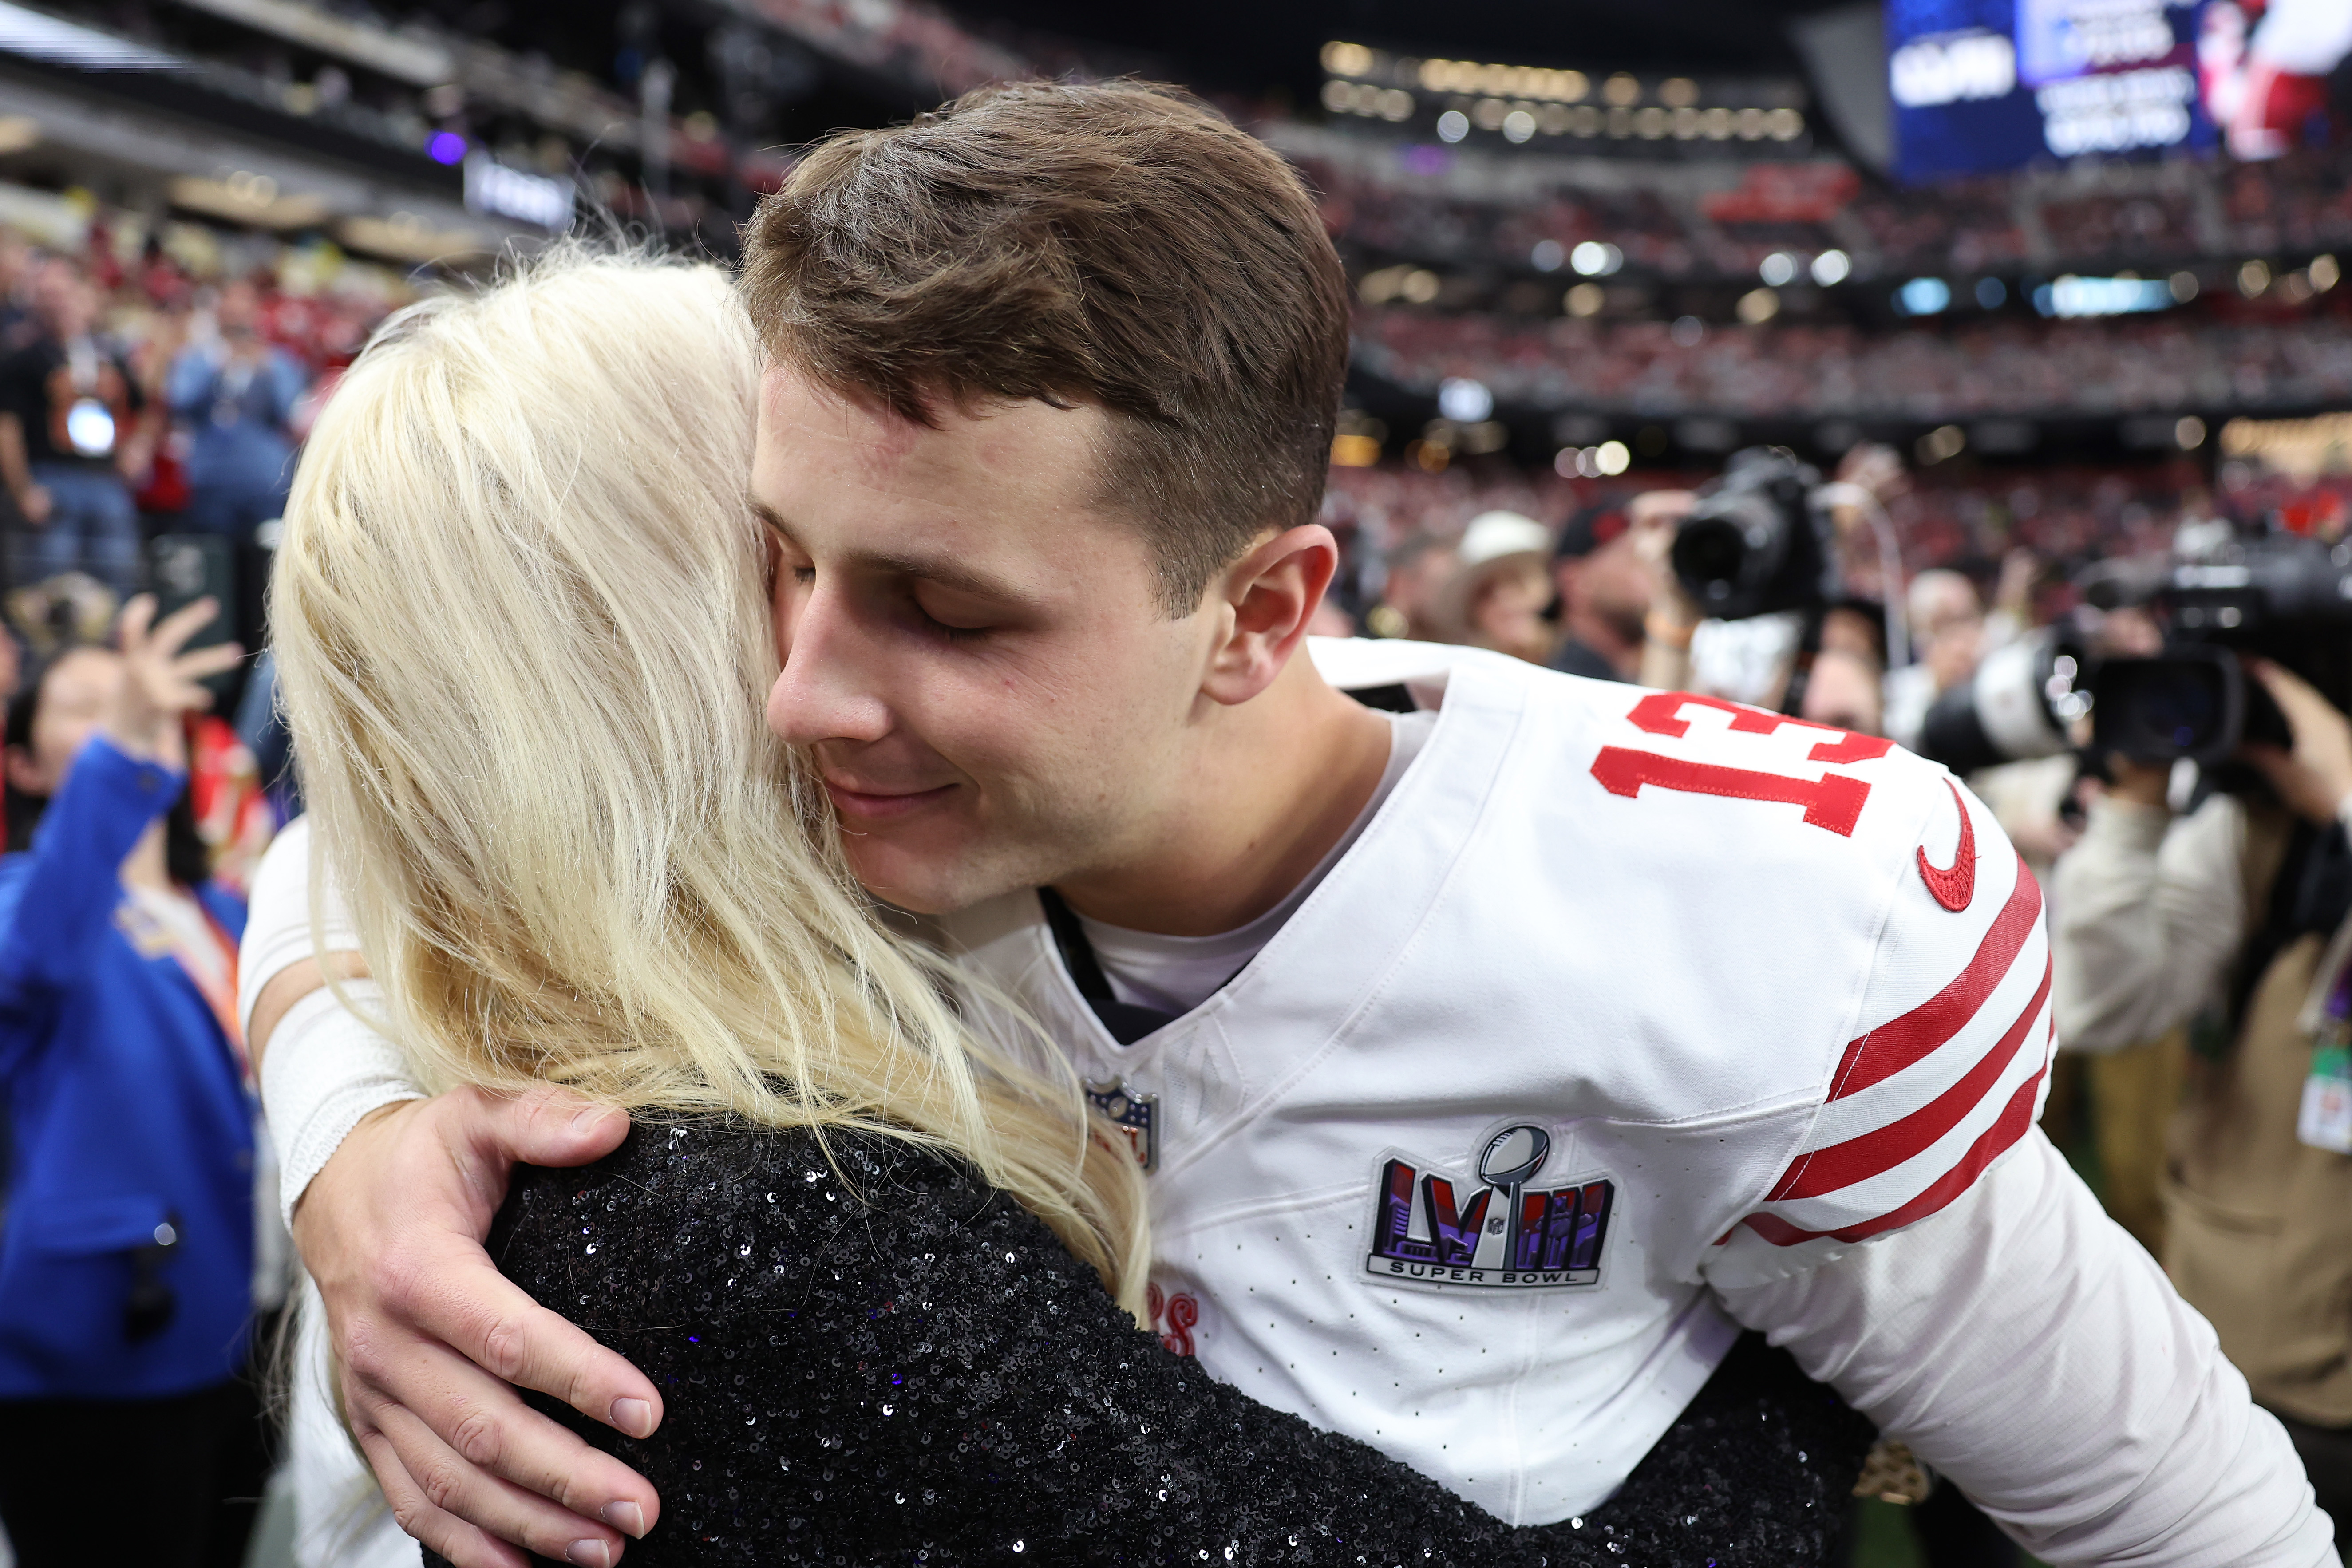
1500	1044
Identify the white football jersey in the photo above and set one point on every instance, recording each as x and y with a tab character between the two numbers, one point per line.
1621	993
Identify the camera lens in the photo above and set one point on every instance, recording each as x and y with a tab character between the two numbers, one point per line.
1708	554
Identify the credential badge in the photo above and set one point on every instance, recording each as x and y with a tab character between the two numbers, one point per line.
1137	1115
1505	1236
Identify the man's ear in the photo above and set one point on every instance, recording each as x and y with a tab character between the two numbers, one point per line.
1266	600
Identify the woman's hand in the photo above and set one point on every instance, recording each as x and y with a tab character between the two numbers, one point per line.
158	682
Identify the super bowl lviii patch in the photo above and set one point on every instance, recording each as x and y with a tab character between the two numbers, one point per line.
1502	1236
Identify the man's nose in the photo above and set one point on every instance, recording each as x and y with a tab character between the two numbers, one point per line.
828	689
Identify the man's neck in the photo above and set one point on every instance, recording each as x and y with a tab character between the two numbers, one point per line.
1604	638
1272	786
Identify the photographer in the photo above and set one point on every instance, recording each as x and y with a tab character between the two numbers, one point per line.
2232	919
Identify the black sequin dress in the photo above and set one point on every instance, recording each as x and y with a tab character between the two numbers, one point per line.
907	1367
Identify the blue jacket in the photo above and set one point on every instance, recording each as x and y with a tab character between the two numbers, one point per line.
127	1110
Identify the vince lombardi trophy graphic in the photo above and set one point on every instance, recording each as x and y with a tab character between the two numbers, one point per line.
1509	1162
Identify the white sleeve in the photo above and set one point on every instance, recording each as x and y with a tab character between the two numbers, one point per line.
2024	1346
2150	913
325	1068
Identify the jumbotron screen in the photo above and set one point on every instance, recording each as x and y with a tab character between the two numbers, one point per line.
1984	85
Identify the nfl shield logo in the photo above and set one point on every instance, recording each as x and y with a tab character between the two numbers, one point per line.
1137	1115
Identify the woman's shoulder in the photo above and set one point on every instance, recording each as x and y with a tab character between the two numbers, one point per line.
723	1217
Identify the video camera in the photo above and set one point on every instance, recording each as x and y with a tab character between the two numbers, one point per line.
1760	540
2283	598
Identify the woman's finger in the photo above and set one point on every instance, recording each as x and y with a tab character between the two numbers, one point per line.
210	660
445	1533
131	630
180	625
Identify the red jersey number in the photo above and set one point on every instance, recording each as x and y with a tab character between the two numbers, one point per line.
1833	800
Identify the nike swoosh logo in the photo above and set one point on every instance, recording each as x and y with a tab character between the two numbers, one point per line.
1954	886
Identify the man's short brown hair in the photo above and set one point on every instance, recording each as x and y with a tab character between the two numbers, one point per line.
1118	243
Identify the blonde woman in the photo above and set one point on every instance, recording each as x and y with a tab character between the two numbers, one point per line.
884	1275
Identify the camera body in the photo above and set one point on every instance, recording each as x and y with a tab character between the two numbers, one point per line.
1760	540
2283	598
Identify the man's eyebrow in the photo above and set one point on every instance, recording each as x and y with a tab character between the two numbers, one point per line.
948	574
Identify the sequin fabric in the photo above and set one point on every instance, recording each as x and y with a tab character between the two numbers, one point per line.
879	1360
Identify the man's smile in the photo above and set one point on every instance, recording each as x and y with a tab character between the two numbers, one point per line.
882	805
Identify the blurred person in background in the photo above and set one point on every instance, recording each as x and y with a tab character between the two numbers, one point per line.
1499	590
2231	920
127	1265
236	393
72	435
1417	567
1946	625
1842	690
16	323
1605	585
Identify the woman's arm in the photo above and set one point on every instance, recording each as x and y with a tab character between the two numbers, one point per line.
118	783
904	1362
63	901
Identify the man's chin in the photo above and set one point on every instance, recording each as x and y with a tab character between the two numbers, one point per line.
937	878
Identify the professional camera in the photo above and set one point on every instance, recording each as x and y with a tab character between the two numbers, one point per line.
1759	540
2283	596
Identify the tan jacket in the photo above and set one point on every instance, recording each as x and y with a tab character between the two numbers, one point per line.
2258	1225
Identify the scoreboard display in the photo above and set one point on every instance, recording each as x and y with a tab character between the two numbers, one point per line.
1984	85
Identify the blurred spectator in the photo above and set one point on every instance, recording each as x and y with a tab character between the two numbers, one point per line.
1842	690
1604	587
1418	567
17	324
2233	919
236	394
72	434
1499	590
127	1266
1947	621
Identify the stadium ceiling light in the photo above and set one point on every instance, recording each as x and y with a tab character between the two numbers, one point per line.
2325	273
1832	267
1611	457
1758	306
1518	125
1594	259
1549	255
1464	401
1991	292
1778	268
2072	296
1452	125
1923	297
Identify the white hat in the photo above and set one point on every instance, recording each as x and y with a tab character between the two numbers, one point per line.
1495	534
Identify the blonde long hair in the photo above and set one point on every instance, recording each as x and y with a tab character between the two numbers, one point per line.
523	635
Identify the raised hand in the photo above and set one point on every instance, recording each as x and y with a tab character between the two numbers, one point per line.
158	682
2314	776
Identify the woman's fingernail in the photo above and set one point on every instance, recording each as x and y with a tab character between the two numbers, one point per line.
589	1555
634	1416
626	1517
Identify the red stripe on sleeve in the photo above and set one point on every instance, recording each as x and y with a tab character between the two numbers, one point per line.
2015	1118
1894	1045
1884	1148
